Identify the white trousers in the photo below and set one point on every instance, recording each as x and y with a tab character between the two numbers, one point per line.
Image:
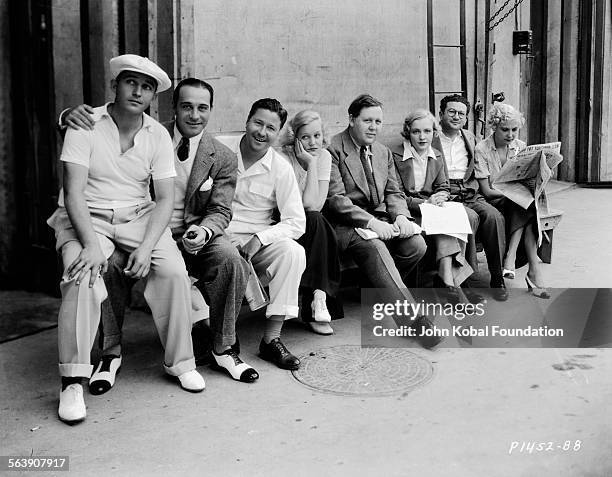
280	266
167	290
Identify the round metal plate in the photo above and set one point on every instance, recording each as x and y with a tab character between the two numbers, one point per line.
350	370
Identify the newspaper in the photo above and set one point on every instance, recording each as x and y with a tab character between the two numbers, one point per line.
522	179
448	219
368	234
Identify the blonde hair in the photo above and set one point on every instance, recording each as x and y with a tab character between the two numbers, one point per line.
415	116
298	121
502	113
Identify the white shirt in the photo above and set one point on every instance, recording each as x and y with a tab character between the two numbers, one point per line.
268	184
183	171
419	164
455	154
117	179
368	151
323	167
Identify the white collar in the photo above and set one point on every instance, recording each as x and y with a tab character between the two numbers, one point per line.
193	141
410	152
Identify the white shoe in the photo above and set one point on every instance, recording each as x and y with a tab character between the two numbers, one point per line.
321	328
192	381
71	404
320	312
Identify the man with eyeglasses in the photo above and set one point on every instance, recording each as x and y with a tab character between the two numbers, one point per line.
457	146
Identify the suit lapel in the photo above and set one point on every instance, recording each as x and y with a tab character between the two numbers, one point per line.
470	150
430	172
202	163
353	164
406	173
380	171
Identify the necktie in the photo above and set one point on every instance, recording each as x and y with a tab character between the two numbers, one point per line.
369	176
183	150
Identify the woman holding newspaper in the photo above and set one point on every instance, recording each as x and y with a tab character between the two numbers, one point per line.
423	178
521	228
312	164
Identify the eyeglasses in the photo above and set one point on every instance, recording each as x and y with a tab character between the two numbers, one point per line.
454	112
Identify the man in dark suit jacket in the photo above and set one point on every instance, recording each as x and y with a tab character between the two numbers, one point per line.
204	189
457	146
363	193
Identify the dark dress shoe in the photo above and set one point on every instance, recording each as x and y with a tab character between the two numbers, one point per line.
276	352
471	294
498	289
447	292
421	324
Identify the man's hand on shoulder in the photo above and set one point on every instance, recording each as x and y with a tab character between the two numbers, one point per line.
79	117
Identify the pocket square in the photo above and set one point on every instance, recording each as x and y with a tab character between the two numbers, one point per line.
207	185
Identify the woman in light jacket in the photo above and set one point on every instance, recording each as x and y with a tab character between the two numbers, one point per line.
422	174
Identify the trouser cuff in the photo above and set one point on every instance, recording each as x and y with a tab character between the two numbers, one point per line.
288	311
73	370
181	367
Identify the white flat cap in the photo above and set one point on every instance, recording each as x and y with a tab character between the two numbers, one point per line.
140	64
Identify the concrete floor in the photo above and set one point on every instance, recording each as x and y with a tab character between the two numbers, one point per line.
461	423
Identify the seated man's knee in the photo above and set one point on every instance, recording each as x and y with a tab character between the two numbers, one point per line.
473	219
293	252
490	215
419	245
413	246
170	269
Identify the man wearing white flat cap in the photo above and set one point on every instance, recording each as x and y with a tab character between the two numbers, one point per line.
105	203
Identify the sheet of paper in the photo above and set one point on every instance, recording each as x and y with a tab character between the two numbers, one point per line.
448	219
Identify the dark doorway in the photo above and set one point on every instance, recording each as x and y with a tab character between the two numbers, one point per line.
34	263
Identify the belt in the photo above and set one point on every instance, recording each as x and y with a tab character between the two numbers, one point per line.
456	181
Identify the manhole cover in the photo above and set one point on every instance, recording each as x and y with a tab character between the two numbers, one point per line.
352	370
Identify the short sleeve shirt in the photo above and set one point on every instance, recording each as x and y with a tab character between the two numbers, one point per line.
488	161
323	167
119	179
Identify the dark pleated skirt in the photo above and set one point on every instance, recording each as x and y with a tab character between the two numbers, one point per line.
517	218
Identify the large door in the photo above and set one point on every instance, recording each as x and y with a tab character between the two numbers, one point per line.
34	264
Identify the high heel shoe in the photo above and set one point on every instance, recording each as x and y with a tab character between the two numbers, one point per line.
536	290
320	312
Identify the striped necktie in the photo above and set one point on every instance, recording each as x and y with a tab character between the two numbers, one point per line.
363	155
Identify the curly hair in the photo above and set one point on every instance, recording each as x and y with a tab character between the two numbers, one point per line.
501	113
415	116
454	98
